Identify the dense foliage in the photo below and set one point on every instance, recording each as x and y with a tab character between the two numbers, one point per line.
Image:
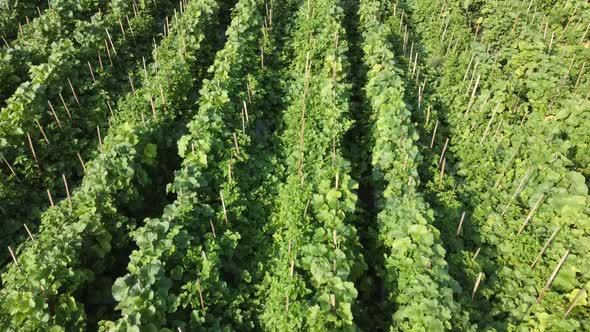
305	165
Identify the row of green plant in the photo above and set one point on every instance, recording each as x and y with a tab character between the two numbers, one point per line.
415	272
54	123
511	151
62	278
187	272
315	259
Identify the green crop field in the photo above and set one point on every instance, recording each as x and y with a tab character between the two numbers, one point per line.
294	165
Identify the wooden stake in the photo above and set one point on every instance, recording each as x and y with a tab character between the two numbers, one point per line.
427	116
487	130
433	134
32	147
546	245
63	176
286	302
223	206
460	223
531	213
54	114
65	106
50	198
29	232
333	300
11	170
292	268
73	92
553	275
162	96
477	282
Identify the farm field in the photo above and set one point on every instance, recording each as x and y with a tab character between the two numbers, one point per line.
295	165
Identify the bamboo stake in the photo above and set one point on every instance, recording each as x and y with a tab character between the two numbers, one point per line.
427	116
476	253
530	215
50	198
63	176
129	25
13	256
212	228
546	245
73	92
100	59
54	114
442	154
32	147
573	304
477	282
81	161
223	206
553	275
246	112
433	134
468	67
286	302
110	108
460	224
99	137
65	106
29	232
487	130
200	294
442	173
504	170
292	268
91	72
131	83
111	41
106	45
583	36
236	144
580	75
153	107
11	170
122	28
162	96
333	300
145	69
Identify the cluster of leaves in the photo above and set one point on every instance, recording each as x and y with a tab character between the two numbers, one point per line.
58	274
512	145
62	125
33	46
181	275
315	256
415	271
